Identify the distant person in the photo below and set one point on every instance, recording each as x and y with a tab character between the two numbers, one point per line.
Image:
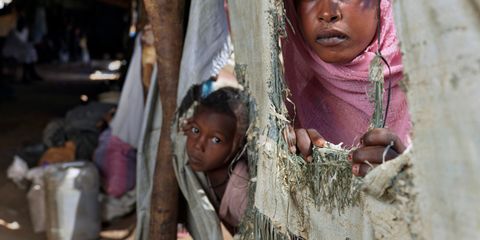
18	47
8	19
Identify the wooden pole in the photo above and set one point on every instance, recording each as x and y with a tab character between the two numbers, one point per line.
167	20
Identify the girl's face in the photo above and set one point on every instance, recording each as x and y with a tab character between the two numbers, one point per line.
338	30
210	140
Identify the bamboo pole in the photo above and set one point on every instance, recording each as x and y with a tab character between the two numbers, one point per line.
167	20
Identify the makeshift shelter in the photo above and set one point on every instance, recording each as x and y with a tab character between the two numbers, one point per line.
403	198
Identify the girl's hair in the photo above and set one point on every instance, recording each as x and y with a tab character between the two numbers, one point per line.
227	100
232	102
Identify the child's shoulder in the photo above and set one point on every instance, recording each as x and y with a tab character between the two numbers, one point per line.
241	169
234	201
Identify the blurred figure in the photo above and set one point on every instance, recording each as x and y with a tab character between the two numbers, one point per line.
8	19
18	47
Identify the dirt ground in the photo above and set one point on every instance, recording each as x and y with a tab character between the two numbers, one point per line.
23	116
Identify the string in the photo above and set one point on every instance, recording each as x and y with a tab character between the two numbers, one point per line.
379	53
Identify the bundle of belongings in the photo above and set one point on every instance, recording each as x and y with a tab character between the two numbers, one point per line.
65	185
87	161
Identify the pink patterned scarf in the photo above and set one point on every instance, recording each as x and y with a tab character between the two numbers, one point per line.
333	98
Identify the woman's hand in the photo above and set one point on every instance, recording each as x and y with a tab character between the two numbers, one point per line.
301	140
375	144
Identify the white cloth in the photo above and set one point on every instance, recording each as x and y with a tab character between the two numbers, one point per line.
206	44
147	155
128	119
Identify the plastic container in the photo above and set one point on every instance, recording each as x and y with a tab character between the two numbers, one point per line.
72	201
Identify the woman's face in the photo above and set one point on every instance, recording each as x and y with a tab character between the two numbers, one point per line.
338	30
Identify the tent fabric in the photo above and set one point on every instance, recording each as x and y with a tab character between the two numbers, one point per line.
206	49
128	119
442	66
147	155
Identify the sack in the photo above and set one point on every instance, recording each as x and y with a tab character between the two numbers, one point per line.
116	161
54	134
59	154
17	171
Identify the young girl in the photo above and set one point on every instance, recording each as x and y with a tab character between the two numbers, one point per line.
215	147
327	54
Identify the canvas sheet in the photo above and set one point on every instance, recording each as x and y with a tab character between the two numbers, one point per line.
128	119
206	47
146	157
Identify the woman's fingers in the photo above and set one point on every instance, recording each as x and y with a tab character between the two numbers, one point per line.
301	140
316	138
289	136
360	170
383	137
373	155
378	145
304	144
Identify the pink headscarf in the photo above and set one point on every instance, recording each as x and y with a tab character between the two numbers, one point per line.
333	98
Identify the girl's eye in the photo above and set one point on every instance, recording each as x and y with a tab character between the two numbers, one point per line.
195	130
216	140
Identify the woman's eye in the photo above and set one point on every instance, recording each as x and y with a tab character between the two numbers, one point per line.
216	140
195	130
